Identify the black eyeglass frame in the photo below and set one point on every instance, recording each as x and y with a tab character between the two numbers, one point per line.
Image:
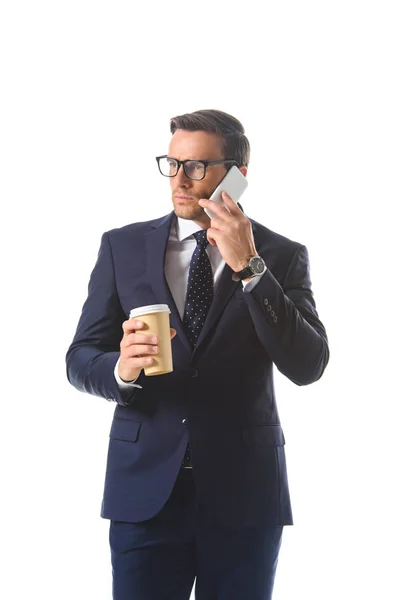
183	163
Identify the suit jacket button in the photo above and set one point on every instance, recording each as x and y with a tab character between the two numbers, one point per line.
266	301
275	319
269	307
272	313
184	422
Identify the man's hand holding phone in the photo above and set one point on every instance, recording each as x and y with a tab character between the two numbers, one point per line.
232	232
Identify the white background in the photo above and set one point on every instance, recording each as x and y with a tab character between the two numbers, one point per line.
88	89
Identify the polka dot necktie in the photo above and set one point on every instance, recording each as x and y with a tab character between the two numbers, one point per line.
199	296
199	292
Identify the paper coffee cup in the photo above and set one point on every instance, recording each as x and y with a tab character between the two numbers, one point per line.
156	319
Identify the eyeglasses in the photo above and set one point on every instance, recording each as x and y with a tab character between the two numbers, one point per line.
194	169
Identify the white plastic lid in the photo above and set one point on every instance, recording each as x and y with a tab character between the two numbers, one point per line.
150	308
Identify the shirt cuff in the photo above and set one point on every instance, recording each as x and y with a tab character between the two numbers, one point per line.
249	285
124	384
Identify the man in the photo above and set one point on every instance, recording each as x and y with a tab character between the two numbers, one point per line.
196	483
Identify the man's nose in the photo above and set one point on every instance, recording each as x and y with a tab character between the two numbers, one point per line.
181	178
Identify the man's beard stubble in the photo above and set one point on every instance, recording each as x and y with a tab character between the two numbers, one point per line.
192	210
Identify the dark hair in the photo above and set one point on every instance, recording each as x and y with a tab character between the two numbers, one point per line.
235	144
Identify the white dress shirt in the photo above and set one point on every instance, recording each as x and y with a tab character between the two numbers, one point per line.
180	248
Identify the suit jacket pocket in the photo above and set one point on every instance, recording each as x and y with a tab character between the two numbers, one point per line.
263	435
126	430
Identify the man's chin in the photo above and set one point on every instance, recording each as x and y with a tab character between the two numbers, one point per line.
188	212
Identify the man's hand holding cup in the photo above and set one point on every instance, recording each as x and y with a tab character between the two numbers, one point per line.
137	349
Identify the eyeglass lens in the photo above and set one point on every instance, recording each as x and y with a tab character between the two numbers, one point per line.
193	168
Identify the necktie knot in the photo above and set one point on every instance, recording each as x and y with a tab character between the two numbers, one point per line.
201	238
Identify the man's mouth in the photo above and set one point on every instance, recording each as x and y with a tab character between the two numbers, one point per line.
183	198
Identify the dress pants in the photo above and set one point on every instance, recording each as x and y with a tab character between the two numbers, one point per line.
160	558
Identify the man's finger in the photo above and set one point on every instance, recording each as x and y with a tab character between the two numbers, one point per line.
233	207
219	210
131	325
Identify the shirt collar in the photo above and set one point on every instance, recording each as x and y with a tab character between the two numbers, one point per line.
185	228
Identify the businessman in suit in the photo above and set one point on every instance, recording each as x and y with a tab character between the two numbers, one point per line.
196	483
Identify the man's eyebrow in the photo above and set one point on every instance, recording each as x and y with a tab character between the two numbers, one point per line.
182	159
198	159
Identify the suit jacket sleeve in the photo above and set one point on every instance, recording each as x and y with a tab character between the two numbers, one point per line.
287	322
95	349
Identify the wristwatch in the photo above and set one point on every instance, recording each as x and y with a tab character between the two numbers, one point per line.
256	266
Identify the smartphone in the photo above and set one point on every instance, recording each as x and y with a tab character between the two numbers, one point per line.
234	184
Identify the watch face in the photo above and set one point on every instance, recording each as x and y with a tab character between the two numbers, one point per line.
257	264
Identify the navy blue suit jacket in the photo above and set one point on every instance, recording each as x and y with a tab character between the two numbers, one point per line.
220	395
